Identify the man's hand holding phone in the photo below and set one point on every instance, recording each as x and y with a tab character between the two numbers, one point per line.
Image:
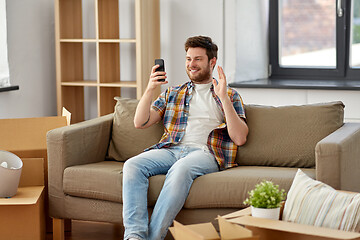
158	74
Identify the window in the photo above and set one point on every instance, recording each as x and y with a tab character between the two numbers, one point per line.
4	67
315	39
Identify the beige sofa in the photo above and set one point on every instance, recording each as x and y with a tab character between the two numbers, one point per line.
85	161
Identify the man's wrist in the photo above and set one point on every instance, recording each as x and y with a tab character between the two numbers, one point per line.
224	98
149	91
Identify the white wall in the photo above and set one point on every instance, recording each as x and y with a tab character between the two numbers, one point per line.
32	57
31	48
181	19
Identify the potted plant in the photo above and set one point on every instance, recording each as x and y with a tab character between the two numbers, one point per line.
265	200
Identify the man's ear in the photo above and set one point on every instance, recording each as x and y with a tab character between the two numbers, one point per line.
213	62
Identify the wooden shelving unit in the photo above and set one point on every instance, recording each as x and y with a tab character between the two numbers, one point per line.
70	42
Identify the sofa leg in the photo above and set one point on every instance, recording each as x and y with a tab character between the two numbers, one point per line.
58	229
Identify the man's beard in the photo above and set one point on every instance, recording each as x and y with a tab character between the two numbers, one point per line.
202	77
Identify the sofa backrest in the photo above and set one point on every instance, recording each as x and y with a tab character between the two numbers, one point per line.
278	136
286	136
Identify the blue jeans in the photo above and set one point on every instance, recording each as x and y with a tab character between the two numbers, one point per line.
181	164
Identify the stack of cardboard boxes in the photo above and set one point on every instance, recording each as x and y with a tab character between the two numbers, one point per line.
25	215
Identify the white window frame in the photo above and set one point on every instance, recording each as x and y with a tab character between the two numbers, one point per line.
4	64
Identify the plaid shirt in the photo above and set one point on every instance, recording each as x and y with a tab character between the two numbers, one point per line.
173	107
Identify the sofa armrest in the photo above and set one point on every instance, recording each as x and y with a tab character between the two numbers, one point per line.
77	144
337	158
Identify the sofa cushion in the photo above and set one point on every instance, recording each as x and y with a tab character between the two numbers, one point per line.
225	189
315	203
102	180
286	136
127	141
229	188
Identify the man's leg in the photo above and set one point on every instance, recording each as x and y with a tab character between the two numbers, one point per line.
136	172
195	162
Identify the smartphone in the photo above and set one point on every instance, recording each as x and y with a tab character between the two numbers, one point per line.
161	67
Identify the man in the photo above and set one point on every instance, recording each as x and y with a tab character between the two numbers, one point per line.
204	122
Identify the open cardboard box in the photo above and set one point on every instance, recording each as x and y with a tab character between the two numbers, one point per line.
277	229
26	138
206	231
22	216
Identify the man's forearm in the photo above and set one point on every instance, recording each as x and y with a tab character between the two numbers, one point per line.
236	127
142	114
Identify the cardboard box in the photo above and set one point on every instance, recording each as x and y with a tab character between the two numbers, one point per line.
23	215
26	137
206	231
32	172
277	229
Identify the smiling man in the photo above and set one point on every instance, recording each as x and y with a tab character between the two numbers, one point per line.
204	122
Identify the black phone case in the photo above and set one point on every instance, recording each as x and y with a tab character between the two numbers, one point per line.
161	68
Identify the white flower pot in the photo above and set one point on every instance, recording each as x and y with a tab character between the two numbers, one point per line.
269	213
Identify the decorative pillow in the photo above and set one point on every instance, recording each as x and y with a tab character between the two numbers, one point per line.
312	202
126	140
286	136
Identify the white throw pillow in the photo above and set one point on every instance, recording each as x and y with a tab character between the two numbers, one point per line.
312	202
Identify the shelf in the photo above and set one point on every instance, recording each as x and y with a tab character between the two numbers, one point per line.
91	83
9	88
125	40
95	61
129	40
85	83
119	84
69	40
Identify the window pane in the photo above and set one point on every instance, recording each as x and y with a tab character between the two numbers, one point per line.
307	33
355	35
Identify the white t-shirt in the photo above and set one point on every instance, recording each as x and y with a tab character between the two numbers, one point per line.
204	116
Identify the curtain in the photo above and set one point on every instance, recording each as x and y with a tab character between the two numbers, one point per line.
246	39
4	65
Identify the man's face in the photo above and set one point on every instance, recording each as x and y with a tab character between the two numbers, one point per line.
198	67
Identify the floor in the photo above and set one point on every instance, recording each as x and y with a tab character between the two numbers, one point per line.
82	230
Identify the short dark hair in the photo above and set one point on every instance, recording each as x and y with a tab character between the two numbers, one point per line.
202	42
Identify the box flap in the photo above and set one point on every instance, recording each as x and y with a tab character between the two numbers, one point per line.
66	114
230	231
24	196
240	213
22	134
172	231
202	231
294	228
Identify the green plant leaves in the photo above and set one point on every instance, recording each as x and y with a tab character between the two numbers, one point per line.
266	195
